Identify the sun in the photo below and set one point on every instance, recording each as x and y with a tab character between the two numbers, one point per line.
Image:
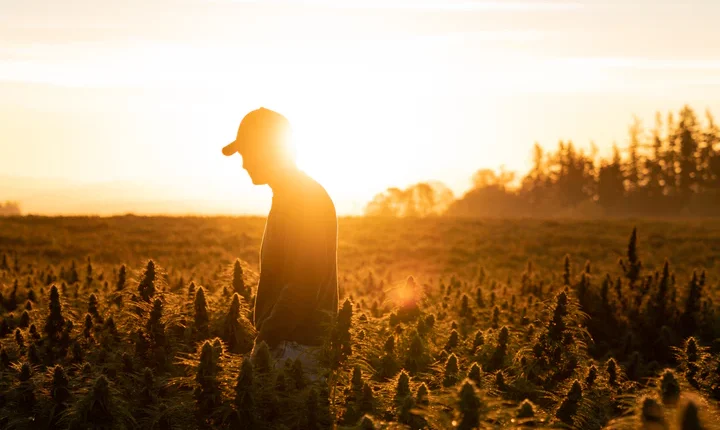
347	163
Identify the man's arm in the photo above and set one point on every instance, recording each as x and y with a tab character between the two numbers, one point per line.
306	261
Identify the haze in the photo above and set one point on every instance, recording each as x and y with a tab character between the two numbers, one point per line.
111	107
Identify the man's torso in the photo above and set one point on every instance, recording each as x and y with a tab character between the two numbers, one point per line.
306	206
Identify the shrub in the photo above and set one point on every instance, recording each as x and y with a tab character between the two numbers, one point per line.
146	287
55	321
469	407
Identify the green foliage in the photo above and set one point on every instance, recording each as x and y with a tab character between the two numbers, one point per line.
651	412
207	393
632	266
451	374
569	406
146	287
55	321
238	283
402	388
669	387
201	314
469	406
237	332
690	418
640	351
341	339
526	409
261	359
122	278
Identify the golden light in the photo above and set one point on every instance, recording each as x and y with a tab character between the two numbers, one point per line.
406	295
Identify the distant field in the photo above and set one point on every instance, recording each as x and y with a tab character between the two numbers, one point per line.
479	337
414	246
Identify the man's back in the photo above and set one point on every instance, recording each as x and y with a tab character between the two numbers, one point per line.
297	293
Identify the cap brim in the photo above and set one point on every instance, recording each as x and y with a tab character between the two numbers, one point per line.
230	148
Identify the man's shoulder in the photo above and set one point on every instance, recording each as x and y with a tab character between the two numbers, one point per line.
315	197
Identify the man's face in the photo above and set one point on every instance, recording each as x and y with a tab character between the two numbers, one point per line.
255	161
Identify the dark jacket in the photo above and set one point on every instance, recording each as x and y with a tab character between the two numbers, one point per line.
297	294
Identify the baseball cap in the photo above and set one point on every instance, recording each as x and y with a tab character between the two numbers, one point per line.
259	123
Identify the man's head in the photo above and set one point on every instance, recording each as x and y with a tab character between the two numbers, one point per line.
264	142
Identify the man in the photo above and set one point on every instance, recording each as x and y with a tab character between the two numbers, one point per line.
297	294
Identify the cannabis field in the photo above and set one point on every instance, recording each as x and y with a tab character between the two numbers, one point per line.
145	322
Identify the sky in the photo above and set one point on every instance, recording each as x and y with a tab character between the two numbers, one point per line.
113	107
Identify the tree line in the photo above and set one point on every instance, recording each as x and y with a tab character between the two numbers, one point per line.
672	169
9	208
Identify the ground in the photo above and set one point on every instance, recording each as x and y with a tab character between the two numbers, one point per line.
496	312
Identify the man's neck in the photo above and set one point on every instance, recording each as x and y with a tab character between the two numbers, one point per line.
286	181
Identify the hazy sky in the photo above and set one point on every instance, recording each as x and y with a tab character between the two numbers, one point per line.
106	103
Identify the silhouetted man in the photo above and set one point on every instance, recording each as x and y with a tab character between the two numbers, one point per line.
297	293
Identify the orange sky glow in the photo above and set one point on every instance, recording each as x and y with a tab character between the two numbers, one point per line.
112	107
